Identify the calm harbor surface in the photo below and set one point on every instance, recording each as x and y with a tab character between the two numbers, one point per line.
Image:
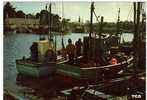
18	45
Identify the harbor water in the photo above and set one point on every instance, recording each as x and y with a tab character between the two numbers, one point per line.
18	45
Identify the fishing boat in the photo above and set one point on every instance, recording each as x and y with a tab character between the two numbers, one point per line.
42	61
79	28
97	60
89	71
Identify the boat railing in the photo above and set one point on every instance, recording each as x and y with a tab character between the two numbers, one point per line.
23	61
109	66
12	95
62	61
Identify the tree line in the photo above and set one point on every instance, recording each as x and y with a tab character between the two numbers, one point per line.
10	11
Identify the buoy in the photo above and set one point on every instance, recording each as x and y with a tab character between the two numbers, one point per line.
62	51
113	61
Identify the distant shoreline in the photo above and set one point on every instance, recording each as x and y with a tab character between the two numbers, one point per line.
22	25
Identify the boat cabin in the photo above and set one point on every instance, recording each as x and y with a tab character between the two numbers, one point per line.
43	50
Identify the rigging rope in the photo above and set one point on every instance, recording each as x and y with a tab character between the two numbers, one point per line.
96	17
129	15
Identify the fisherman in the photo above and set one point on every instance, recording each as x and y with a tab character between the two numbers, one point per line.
79	45
70	50
34	52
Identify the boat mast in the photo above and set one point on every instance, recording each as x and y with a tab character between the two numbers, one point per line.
62	27
91	29
143	22
91	19
50	21
136	33
101	28
118	22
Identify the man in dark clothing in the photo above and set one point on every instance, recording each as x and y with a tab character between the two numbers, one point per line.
79	45
34	52
70	50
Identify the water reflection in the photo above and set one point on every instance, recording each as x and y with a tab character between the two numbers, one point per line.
46	87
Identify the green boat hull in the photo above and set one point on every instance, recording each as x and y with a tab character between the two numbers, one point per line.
35	69
78	73
90	73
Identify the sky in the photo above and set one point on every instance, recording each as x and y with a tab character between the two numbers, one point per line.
72	10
